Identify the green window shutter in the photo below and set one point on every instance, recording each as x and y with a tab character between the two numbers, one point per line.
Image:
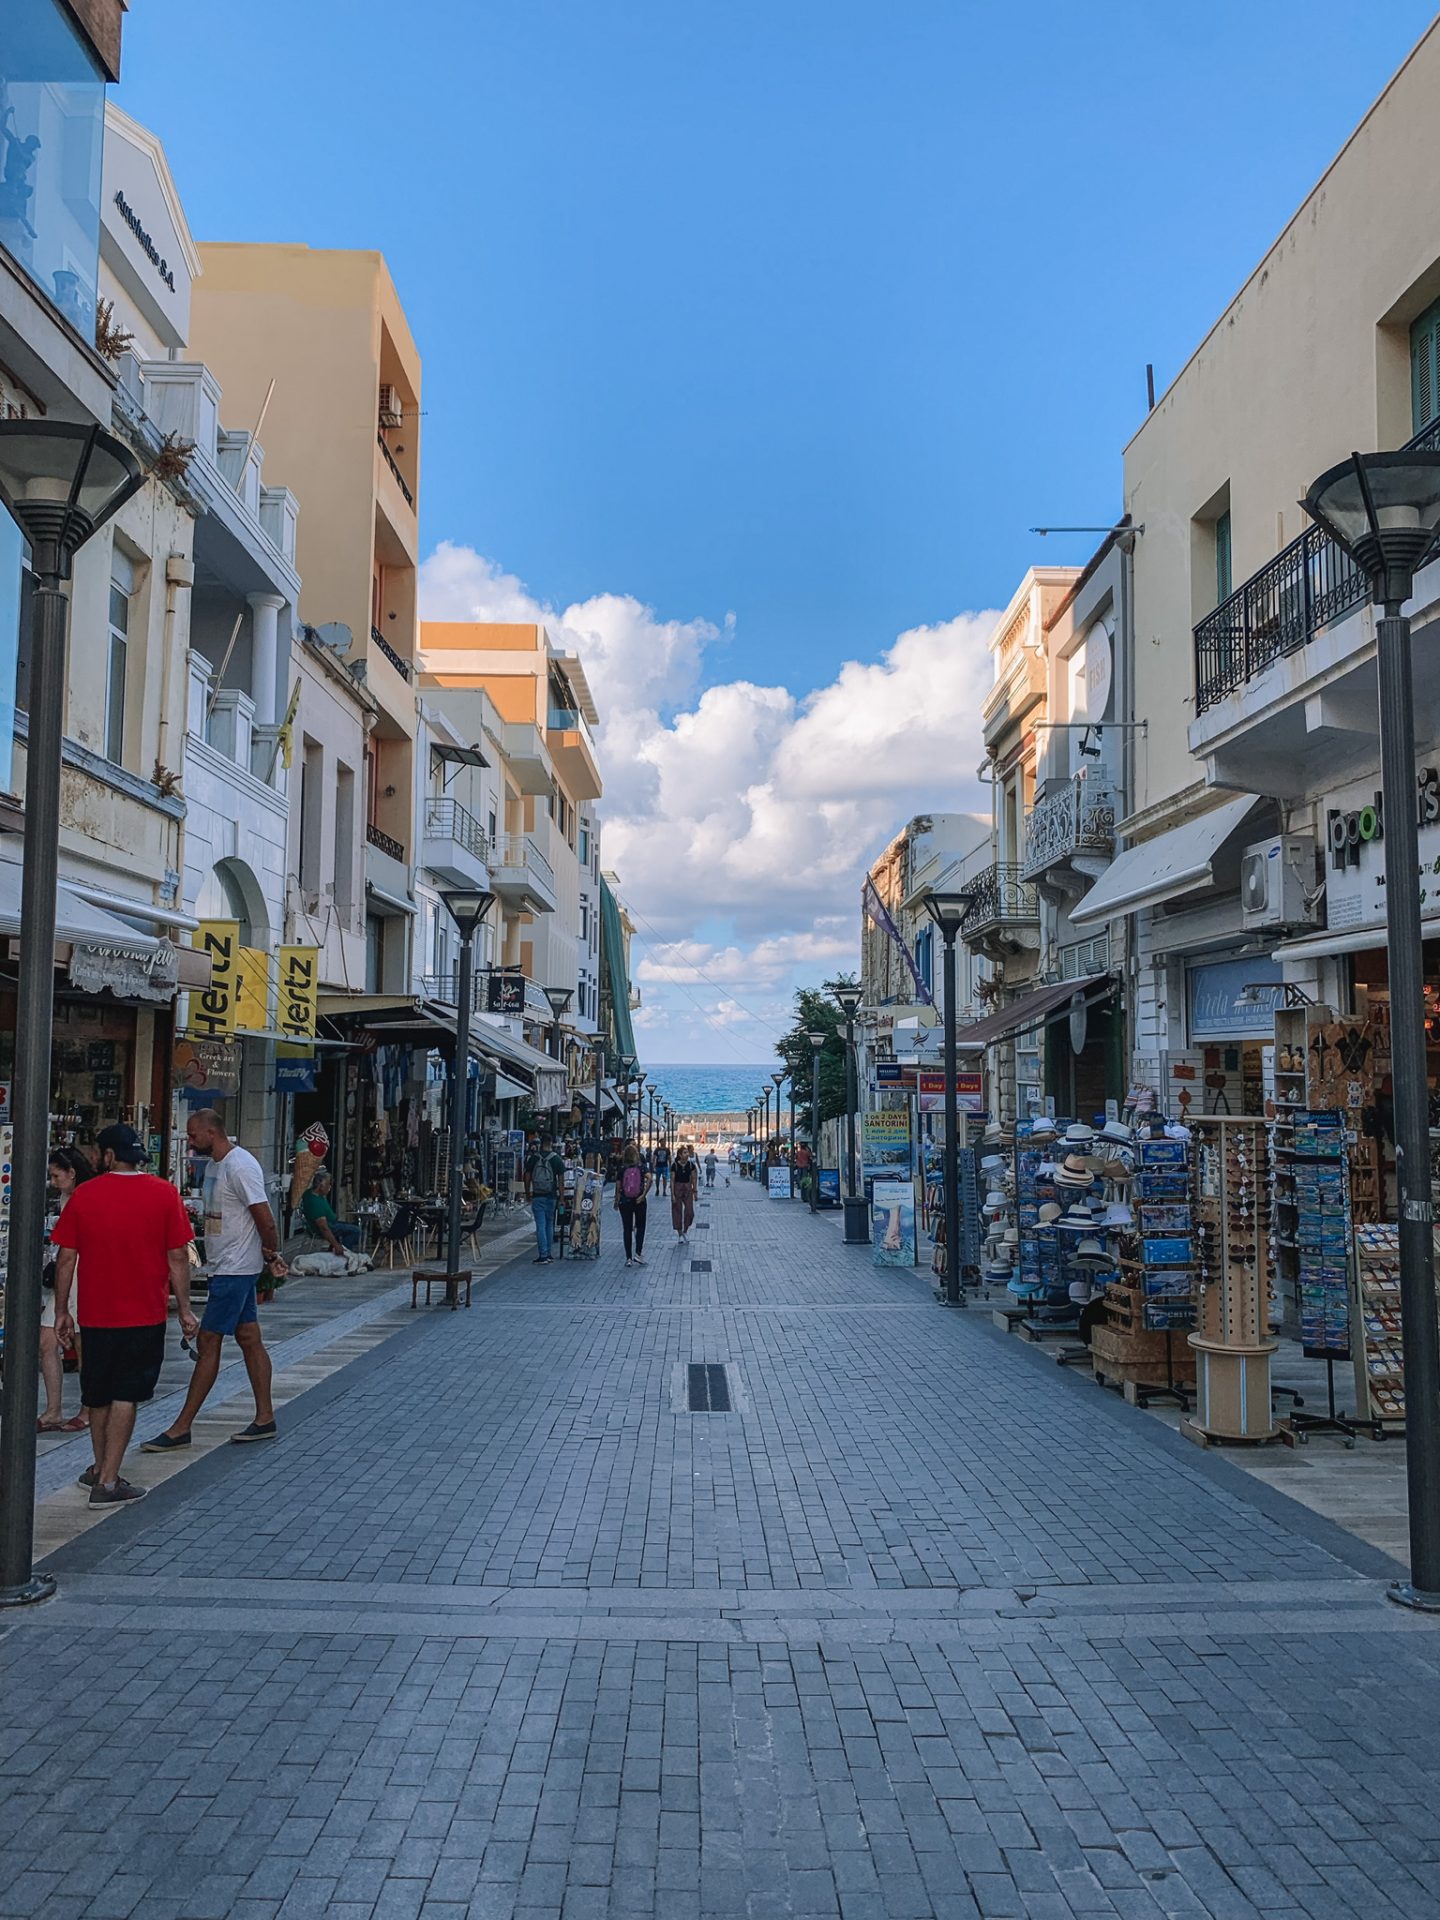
1425	369
1224	573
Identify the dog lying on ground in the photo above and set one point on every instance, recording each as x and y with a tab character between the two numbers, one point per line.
331	1265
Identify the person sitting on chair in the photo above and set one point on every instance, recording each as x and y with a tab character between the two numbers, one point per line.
340	1236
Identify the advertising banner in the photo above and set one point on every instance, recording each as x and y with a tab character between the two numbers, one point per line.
779	1183
505	993
932	1092
294	1070
892	1223
829	1191
299	991
885	1144
206	1067
252	990
213	1012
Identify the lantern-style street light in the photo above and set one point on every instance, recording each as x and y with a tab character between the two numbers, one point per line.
948	911
817	1038
856	1224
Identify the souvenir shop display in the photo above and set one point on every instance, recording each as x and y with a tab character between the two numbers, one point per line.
973	1189
1153	1300
1001	1238
584	1192
1377	1331
1234	1311
7	1162
1311	1227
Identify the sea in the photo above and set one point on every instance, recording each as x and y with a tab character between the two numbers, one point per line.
723	1089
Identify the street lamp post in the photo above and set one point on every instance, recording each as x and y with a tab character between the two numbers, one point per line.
467	907
817	1039
640	1077
948	911
793	1194
779	1079
1383	509
764	1098
60	483
856	1224
599	1097
559	998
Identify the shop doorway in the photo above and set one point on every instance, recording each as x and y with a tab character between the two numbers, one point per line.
1081	1083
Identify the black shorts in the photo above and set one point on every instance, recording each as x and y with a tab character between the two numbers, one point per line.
120	1363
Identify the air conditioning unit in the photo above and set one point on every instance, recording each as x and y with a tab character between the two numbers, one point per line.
1277	878
392	408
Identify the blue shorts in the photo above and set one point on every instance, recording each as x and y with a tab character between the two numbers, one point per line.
231	1303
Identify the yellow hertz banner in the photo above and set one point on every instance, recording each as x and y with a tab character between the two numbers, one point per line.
213	1012
252	1005
299	991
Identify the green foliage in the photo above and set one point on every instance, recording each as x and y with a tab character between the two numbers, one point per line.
817	1012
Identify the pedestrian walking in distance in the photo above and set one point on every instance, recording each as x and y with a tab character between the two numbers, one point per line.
662	1169
544	1177
241	1243
68	1170
684	1178
631	1190
130	1230
710	1164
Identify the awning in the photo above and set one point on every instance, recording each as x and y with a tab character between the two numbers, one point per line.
1033	1009
106	953
406	1017
388	903
552	1085
1320	946
1161	869
508	1089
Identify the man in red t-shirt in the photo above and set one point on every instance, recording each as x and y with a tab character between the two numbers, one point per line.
131	1232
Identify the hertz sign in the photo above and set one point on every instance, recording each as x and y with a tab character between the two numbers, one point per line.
1350	829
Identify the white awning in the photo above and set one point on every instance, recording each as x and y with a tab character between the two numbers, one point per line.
507	1089
552	1087
1322	946
105	952
1161	869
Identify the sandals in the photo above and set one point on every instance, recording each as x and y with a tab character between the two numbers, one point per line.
77	1423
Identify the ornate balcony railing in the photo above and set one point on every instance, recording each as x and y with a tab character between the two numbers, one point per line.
448	820
1281	608
1077	818
399	477
999	896
378	837
401	665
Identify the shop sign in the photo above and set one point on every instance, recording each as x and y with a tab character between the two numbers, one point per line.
505	993
892	1223
888	1072
1355	851
213	1011
299	991
252	990
968	1092
885	1143
1219	1007
1097	673
151	973
778	1183
828	1190
207	1066
294	1070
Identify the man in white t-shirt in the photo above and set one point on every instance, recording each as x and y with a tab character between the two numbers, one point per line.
241	1243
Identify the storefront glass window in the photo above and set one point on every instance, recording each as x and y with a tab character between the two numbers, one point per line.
52	124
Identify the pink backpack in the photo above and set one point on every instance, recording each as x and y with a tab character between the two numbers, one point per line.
632	1183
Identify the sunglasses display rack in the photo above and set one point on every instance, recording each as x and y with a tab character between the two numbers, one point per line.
1377	1331
1152	1306
1310	1239
1231	1340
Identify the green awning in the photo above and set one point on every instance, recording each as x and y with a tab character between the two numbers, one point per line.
613	941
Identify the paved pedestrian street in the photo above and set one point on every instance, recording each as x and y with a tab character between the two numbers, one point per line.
920	1626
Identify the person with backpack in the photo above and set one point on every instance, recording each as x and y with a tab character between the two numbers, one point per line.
630	1191
684	1179
662	1169
544	1180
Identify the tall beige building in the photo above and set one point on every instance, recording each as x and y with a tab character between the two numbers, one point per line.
314	346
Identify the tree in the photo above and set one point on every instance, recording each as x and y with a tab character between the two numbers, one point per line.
816	1011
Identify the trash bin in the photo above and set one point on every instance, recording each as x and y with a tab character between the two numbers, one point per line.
857	1219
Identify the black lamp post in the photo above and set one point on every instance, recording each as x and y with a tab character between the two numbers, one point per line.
467	907
817	1039
60	483
856	1224
599	1099
779	1079
1383	509
640	1078
948	911
559	998
793	1194
763	1098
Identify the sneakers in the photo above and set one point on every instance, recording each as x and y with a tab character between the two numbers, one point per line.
101	1496
636	1262
87	1478
628	1261
254	1432
165	1442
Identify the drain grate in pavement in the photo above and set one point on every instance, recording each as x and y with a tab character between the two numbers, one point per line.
709	1389
702	1226
699	1266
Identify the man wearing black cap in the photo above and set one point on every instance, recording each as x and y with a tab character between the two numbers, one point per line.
132	1233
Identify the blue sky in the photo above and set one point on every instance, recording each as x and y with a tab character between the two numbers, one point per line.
793	312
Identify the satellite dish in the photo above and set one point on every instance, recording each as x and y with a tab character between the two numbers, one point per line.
337	635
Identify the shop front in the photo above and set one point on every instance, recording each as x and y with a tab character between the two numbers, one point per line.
1227	1064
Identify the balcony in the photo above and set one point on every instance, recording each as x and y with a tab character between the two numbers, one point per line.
568	739
400	664
1070	834
453	845
1003	915
522	876
527	756
387	874
394	468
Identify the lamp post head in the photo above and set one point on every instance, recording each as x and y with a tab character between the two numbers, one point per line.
559	998
779	1079
467	907
817	1037
60	482
849	998
948	911
1384	510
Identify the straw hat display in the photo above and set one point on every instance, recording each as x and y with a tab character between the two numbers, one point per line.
1050	1213
1076	1171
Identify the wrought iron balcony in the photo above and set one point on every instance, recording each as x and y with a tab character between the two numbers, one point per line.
448	820
378	837
401	665
1281	608
1078	817
999	897
399	477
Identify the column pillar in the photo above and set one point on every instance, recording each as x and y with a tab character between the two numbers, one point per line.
265	654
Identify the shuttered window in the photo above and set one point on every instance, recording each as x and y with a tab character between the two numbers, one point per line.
1224	572
1425	369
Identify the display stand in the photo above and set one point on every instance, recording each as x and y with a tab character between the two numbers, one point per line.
1310	1181
585	1196
1231	1341
1153	1299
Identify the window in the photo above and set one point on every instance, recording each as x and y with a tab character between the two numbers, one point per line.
312	801
117	665
493	834
344	839
1224	572
584	846
1425	369
584	921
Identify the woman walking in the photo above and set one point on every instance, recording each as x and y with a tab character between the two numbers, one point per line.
630	1191
68	1169
684	1178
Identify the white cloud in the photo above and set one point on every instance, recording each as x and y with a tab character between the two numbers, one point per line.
740	804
